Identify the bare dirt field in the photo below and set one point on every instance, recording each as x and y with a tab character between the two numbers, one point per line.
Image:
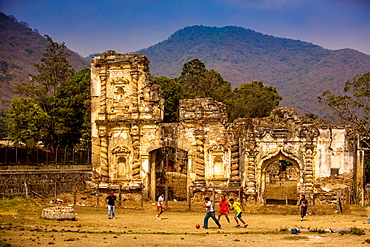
136	225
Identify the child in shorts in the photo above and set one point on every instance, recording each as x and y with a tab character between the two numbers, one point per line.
238	212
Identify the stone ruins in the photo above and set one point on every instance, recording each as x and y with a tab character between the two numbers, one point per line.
133	149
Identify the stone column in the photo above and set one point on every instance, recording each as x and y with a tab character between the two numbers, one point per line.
104	164
135	74
153	181
235	162
250	172
199	155
135	137
146	174
308	186
102	128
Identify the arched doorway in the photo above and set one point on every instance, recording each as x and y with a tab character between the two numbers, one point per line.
168	171
280	180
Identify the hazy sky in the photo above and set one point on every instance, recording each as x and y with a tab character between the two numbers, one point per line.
94	26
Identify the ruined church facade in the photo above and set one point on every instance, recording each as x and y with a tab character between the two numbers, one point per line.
133	148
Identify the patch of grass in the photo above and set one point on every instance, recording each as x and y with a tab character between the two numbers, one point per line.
295	237
354	231
284	229
357	231
2	244
19	204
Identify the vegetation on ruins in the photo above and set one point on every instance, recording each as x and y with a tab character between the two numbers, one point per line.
56	103
353	107
196	81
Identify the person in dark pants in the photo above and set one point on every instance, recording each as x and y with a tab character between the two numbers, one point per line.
210	214
111	199
303	203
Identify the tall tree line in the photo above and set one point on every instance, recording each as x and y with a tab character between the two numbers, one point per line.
250	100
54	107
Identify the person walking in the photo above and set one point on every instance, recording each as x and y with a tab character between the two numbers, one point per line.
239	208
111	199
303	203
160	207
224	209
210	214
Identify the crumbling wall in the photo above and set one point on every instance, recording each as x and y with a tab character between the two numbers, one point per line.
44	183
127	115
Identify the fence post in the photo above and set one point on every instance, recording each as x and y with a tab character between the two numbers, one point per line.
56	155
65	154
73	155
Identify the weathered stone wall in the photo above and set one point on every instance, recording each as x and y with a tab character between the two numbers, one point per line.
127	128
45	183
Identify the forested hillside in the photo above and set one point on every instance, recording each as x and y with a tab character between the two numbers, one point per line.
299	70
20	49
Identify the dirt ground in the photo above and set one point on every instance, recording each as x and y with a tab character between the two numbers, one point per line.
136	225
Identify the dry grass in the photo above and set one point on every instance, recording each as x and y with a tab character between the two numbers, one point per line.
135	225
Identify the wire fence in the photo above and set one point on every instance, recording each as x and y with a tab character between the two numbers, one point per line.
68	155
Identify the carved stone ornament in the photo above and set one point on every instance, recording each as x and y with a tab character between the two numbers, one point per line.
308	131
121	149
120	80
217	148
260	131
279	133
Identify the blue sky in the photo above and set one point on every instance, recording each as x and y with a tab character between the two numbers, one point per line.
94	26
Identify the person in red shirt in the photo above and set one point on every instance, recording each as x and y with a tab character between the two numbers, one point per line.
224	209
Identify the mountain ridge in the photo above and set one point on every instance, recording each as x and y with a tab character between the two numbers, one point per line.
299	70
21	48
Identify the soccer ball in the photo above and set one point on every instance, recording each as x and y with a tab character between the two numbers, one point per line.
197	226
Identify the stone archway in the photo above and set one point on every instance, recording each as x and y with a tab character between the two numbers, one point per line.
280	180
168	168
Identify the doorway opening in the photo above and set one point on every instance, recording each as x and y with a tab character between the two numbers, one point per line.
280	178
168	173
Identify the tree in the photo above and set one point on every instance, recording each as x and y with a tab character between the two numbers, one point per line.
3	131
72	110
172	92
250	100
54	71
26	122
190	77
253	100
353	107
198	82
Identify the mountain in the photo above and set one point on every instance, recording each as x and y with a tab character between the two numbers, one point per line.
20	49
299	70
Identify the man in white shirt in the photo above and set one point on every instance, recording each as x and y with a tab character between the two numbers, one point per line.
210	214
160	207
